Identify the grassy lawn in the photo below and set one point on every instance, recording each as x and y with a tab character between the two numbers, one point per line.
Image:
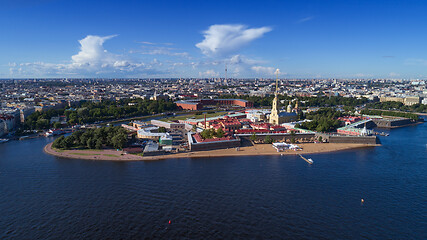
110	155
86	154
92	150
138	154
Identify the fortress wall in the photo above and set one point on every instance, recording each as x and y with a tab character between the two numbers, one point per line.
355	139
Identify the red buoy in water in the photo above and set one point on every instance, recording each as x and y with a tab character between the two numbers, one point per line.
169	221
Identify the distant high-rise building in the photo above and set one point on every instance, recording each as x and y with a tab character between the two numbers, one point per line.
225	81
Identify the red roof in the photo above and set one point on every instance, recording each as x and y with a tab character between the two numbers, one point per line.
242	131
261	126
245	131
6	117
199	138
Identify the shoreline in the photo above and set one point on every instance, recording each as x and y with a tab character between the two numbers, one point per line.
256	150
405	125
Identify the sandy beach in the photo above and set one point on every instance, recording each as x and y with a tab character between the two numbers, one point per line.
256	150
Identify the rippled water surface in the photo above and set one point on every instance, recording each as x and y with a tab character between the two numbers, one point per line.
271	197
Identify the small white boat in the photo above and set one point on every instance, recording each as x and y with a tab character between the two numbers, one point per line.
53	132
3	140
307	160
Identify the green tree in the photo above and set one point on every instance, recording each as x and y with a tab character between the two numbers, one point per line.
67	143
208	133
57	125
98	144
253	137
58	143
220	133
42	123
119	141
268	139
90	143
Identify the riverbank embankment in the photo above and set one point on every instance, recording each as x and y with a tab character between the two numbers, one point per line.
256	150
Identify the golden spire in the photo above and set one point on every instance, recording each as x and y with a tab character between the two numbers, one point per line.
277	80
274	116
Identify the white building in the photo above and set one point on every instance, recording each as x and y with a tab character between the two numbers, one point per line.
10	122
148	133
169	125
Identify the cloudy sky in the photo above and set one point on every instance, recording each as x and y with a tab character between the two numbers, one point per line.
304	39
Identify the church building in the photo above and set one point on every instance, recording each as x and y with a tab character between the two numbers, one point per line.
277	117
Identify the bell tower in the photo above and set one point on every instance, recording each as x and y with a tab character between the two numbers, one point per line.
274	116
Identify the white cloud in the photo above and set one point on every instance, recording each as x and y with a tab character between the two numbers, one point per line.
92	51
165	51
416	61
237	65
225	39
149	48
91	59
94	60
152	43
363	75
264	70
239	59
221	42
209	73
148	43
306	19
241	65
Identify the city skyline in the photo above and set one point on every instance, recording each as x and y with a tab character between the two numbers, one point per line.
310	39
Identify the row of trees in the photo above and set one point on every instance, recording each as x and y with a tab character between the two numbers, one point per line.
320	101
212	133
41	120
325	101
98	138
398	106
89	112
269	140
323	120
412	116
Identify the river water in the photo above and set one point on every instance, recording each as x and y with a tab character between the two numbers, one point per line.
271	197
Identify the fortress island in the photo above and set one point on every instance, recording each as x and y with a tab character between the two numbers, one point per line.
246	131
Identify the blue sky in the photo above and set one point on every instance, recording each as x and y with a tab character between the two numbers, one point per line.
304	39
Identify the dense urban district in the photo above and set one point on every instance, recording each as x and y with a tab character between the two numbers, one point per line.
157	117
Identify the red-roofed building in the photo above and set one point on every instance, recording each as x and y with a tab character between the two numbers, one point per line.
198	104
250	131
265	126
349	119
226	123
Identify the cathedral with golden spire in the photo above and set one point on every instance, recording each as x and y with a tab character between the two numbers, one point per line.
274	115
277	117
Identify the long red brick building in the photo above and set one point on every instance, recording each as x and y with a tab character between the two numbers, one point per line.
199	104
